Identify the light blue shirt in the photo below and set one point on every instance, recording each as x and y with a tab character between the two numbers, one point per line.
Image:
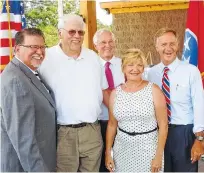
186	92
118	78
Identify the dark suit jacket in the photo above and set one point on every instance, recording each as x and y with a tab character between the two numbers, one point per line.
28	129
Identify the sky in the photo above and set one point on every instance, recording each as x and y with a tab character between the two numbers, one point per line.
102	15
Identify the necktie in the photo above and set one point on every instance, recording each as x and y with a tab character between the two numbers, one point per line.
109	75
166	91
37	75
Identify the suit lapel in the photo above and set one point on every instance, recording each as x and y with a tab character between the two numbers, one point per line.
36	82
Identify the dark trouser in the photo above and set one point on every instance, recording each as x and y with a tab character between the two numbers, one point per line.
178	149
103	124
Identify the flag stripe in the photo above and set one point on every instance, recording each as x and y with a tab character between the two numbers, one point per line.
13	18
5	33
13	25
11	21
4	59
4	51
6	42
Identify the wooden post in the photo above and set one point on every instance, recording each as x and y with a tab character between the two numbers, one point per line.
88	11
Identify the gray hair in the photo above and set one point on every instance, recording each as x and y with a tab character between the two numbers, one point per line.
99	32
67	18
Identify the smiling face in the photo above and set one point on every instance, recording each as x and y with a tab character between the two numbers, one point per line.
133	70
71	36
32	51
167	47
105	45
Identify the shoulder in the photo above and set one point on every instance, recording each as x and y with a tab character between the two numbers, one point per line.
12	81
52	49
154	68
91	56
117	59
150	72
188	70
155	88
188	67
89	52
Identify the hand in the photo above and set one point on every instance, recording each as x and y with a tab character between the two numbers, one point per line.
109	162
156	164
196	151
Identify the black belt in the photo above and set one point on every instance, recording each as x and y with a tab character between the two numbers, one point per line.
175	125
75	125
78	125
135	133
102	121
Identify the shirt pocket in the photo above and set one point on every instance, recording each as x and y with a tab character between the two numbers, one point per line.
180	93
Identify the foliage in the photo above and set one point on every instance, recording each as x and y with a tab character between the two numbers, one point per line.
100	26
44	15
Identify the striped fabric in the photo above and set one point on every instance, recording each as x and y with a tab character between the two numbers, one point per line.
12	19
166	91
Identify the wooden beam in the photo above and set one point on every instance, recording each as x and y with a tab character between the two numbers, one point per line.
88	11
142	6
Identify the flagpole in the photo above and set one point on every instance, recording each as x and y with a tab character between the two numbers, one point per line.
9	30
60	10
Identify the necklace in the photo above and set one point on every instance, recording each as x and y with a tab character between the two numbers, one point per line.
135	86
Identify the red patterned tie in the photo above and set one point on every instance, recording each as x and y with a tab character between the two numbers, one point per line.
109	75
166	91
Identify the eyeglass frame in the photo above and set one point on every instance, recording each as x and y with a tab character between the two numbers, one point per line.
34	47
76	31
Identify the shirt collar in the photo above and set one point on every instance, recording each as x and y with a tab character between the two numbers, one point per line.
25	65
172	67
81	56
112	61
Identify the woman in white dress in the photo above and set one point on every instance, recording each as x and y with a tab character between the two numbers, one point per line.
137	123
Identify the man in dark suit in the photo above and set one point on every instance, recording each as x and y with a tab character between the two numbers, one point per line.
28	130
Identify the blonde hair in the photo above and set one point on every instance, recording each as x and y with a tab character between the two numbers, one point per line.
163	31
133	55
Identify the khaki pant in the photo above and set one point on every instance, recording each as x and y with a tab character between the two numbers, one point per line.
79	149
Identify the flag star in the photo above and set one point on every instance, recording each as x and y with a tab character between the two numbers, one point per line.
21	3
186	44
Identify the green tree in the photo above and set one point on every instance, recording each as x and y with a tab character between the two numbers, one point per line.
44	15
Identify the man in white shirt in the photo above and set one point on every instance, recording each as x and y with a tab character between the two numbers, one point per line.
104	42
182	86
74	74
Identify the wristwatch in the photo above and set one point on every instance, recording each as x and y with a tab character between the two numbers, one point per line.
200	138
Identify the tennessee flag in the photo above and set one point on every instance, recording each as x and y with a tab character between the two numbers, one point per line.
12	19
193	50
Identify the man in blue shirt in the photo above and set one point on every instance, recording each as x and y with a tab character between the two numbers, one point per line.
182	86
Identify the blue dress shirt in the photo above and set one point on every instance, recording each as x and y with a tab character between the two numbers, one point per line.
186	92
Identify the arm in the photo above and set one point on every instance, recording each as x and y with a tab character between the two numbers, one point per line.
161	116
110	133
198	108
19	116
106	97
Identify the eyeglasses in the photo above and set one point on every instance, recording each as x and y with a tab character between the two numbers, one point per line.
72	32
110	43
34	47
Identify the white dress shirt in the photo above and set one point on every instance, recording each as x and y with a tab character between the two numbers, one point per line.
118	78
187	101
76	84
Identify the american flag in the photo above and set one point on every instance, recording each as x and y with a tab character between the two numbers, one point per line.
12	19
